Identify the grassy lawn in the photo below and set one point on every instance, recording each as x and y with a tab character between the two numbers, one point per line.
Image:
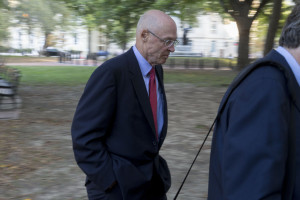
54	75
75	75
202	78
199	62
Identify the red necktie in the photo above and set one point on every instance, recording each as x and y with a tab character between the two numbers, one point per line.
153	97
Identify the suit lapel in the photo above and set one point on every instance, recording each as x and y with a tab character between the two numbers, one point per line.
296	97
159	72
140	88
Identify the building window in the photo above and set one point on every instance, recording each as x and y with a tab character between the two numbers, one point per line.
20	40
213	46
214	27
75	38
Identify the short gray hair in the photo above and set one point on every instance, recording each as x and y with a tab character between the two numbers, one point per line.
290	36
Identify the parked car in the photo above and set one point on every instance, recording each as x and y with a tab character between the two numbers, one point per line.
51	51
102	53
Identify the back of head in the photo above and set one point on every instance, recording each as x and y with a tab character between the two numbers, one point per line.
290	36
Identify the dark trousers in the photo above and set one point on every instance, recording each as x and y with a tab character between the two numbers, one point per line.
155	191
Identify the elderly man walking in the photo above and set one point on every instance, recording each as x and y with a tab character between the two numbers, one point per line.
121	120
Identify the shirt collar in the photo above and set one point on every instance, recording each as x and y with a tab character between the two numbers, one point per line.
291	61
143	63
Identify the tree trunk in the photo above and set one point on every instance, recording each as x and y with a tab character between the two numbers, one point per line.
125	36
46	44
273	26
241	11
244	38
124	44
89	41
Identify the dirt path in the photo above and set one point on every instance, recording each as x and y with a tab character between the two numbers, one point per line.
36	158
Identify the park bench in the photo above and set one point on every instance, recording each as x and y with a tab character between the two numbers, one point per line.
9	83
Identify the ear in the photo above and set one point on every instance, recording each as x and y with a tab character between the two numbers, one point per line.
145	35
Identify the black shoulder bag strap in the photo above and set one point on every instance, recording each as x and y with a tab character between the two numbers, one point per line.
231	88
195	159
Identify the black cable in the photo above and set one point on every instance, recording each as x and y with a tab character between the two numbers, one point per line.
194	160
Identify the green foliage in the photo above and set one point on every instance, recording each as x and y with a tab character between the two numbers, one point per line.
4	4
185	10
201	78
47	15
89	10
4	24
264	17
118	18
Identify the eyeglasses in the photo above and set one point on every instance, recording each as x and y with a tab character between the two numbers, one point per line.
168	43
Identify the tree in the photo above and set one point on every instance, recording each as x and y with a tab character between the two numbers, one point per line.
244	12
121	16
118	18
4	4
273	25
124	15
4	23
91	13
186	10
47	15
279	13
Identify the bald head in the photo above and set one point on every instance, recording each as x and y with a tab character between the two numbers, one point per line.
154	20
155	30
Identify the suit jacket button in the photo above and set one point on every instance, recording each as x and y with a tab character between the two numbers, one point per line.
154	143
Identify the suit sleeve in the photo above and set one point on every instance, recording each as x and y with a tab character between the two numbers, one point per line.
91	123
256	141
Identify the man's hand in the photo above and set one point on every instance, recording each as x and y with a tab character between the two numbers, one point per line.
109	189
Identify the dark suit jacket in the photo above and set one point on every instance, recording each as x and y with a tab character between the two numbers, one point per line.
113	130
253	156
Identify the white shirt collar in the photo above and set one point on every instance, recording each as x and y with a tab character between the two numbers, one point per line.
291	61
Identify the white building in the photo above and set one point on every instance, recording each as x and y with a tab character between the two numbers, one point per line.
209	37
73	40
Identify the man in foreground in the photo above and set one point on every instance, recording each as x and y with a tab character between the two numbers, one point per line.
256	143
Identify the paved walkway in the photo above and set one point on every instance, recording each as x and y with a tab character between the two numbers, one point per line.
80	62
9	109
37	161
